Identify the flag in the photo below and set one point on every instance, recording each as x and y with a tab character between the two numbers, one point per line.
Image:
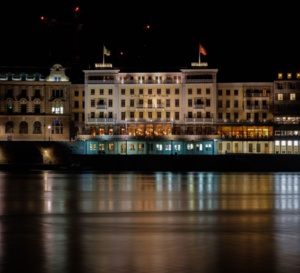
202	50
106	51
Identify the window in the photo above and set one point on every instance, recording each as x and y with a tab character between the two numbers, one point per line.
207	91
159	91
123	115
292	96
227	103
279	96
190	91
101	92
92	92
236	92
159	147
207	102
76	104
228	116
122	103
176	115
236	104
168	115
93	103
158	115
149	91
131	103
168	103
141	91
131	91
37	108
168	91
177	91
198	91
111	147
168	147
227	92
220	92
220	104
190	103
23	108
37	127
150	115
176	102
141	146
110	91
110	103
122	91
23	128
57	108
76	93
236	116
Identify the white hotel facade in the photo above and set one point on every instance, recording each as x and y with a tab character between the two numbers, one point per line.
188	111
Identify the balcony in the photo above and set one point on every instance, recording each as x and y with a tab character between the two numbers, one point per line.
101	106
199	106
101	120
199	120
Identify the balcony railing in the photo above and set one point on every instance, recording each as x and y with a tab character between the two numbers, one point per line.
101	120
199	120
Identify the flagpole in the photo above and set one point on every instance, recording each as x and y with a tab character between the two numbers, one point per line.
199	54
103	54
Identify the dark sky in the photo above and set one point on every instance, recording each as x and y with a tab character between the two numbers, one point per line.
246	41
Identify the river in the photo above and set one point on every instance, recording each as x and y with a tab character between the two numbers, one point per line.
163	222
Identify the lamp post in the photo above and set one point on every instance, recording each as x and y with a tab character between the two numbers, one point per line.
49	128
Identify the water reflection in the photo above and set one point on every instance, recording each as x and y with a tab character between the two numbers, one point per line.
154	222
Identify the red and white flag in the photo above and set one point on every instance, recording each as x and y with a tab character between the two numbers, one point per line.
202	50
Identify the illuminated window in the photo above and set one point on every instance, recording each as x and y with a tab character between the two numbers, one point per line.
92	146
159	147
280	76
199	147
190	146
298	75
280	96
168	147
141	146
101	147
111	146
283	143
295	142
289	75
292	96
177	147
132	147
277	143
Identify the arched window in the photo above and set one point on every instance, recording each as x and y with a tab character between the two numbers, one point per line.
9	127
23	127
37	127
57	127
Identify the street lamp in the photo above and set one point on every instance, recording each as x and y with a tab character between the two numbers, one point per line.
49	128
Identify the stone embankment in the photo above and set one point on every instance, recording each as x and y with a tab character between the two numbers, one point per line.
57	155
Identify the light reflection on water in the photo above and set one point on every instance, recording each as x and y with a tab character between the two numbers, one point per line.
151	222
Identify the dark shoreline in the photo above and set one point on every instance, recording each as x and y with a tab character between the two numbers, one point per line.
178	163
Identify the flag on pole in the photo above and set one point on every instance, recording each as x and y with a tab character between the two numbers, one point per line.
106	51
202	50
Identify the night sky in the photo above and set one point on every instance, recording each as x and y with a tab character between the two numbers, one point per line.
246	42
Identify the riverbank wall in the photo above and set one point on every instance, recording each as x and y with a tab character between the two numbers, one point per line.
57	155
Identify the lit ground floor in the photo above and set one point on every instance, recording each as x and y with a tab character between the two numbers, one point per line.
132	146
